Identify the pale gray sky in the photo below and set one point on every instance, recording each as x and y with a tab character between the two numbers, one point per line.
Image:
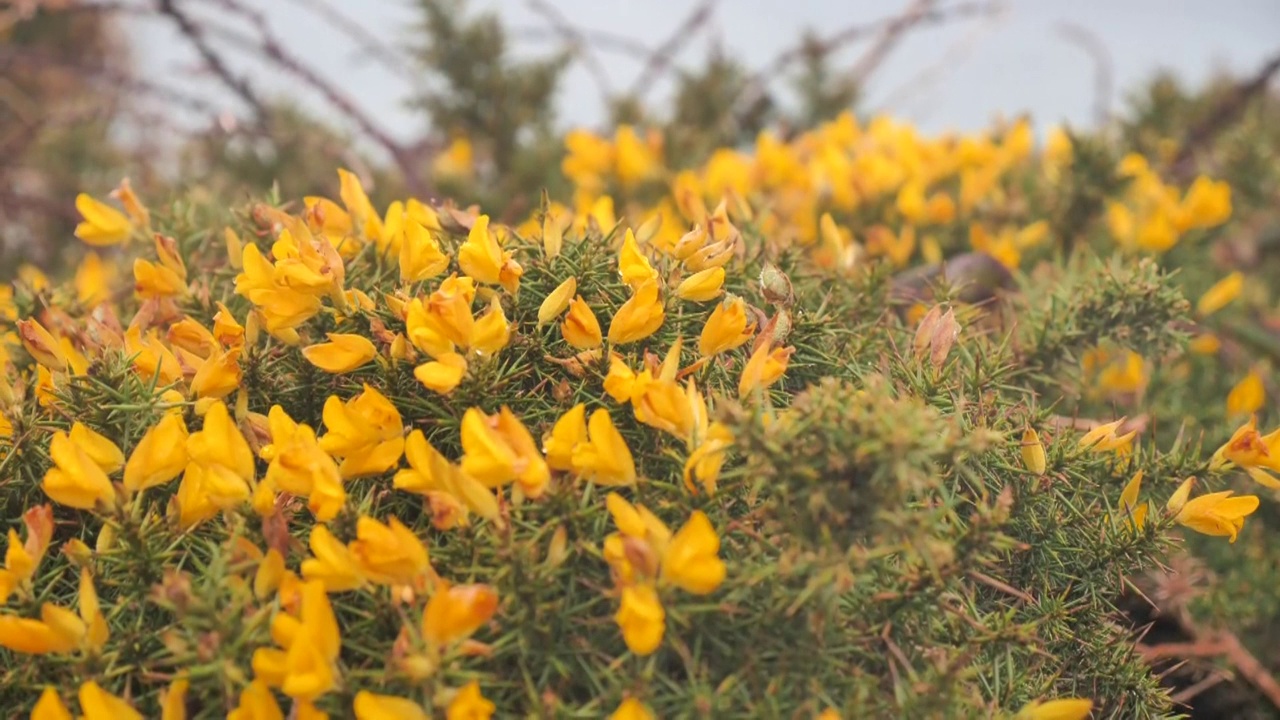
975	69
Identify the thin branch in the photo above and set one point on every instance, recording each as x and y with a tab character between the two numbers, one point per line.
666	52
602	40
195	34
372	46
953	58
888	39
1103	67
1223	116
577	42
838	40
268	47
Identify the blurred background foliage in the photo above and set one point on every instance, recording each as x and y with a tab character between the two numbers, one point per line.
70	120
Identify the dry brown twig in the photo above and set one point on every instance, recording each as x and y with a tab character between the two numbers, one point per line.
268	47
577	43
663	55
840	39
1223	116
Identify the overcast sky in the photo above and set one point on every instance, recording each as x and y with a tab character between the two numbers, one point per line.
956	76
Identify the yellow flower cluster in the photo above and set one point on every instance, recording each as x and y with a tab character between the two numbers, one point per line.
357	296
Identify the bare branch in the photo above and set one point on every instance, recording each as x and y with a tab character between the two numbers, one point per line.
370	44
665	53
888	38
952	58
1223	115
756	85
267	46
602	40
195	34
1103	67
577	42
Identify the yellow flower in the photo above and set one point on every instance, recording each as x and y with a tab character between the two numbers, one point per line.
98	704
483	259
1220	295
1103	438
443	374
160	456
151	280
103	225
256	703
726	328
366	432
1205	344
568	432
469	704
1207	203
173	700
75	480
420	255
455	612
1135	515
50	707
1064	709
633	266
491	332
1216	514
220	448
41	345
304	668
299	467
93	281
702	286
641	618
218	376
192	337
1248	396
369	706
364	218
389	554
343	353
621	383
639	317
102	451
446	486
764	368
137	212
632	709
96	632
707	458
499	449
691	560
332	563
604	458
192	504
21	560
151	358
557	301
1033	457
580	328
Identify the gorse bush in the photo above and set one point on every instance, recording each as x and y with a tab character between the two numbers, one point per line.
799	432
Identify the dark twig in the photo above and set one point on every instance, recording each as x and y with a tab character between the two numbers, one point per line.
195	34
756	84
1223	115
268	47
1103	67
888	39
666	52
602	40
577	42
372	46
